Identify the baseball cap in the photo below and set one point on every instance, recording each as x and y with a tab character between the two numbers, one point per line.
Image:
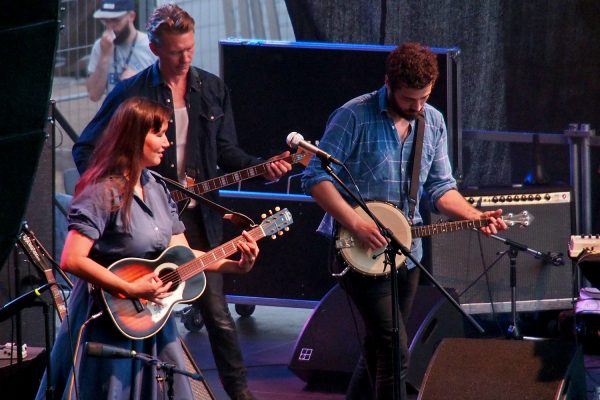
114	8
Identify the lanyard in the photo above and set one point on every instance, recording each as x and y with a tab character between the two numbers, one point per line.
117	73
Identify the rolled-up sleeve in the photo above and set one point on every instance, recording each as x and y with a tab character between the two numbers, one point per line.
90	211
439	179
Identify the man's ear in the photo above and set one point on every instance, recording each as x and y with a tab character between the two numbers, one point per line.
153	48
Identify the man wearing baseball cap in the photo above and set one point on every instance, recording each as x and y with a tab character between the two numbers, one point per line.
121	52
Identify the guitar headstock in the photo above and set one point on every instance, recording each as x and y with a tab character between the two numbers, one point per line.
274	224
301	157
523	219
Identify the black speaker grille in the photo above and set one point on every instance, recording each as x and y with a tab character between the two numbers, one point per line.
459	259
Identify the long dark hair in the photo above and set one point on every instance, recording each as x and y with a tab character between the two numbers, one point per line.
119	151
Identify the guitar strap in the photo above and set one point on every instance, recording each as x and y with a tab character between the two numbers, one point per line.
416	165
239	219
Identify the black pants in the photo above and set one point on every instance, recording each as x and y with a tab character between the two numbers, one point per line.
373	376
218	321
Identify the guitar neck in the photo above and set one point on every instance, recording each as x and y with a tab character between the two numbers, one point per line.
232	178
198	265
29	244
444	227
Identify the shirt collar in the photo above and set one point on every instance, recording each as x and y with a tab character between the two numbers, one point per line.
383	105
194	80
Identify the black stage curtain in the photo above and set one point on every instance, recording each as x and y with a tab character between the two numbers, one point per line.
526	65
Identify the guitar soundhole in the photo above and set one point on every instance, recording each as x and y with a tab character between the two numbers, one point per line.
170	275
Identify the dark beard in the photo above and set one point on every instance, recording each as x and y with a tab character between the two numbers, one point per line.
122	36
408	115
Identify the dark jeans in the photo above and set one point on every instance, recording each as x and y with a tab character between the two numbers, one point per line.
373	375
218	321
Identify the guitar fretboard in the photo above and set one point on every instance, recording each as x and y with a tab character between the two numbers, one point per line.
232	178
29	245
428	230
194	267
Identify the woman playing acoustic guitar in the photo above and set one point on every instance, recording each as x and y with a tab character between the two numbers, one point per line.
120	210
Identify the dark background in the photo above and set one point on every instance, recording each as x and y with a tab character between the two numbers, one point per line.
527	66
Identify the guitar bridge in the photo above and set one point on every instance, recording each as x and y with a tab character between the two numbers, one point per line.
344	243
139	307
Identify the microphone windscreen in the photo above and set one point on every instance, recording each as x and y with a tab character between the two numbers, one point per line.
293	139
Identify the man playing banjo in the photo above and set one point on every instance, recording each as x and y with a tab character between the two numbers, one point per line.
374	136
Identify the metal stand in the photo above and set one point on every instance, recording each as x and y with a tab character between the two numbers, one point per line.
170	371
396	247
513	250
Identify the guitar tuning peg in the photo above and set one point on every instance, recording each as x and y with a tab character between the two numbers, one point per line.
263	215
280	233
277	209
287	229
270	212
273	237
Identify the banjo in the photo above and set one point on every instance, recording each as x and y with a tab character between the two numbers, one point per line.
372	262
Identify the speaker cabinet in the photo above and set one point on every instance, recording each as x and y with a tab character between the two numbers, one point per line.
478	267
200	389
329	345
501	369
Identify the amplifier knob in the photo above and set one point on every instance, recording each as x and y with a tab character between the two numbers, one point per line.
547	196
502	199
538	197
509	198
495	199
530	197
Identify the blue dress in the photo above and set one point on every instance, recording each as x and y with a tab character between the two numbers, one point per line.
79	376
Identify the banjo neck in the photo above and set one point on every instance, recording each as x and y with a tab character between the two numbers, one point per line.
443	227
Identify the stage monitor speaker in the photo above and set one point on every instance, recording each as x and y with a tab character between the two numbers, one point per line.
200	389
502	369
330	343
459	259
21	380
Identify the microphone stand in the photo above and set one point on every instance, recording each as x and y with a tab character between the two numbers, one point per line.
393	248
170	370
241	220
513	251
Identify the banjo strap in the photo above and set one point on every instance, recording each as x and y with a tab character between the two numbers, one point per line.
416	166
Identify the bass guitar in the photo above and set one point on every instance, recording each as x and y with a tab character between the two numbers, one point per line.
299	157
139	318
372	262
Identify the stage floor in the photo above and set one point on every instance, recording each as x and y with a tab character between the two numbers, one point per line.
268	340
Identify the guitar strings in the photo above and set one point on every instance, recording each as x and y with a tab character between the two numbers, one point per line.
188	269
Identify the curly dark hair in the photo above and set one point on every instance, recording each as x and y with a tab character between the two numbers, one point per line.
411	65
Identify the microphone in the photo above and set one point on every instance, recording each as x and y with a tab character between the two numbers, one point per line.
294	139
553	258
22	301
106	351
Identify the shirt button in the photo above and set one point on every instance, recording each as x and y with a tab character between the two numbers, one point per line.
172	165
172	143
171	121
168	100
156	228
212	117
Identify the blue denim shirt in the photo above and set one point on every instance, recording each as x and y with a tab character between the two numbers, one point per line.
154	221
364	138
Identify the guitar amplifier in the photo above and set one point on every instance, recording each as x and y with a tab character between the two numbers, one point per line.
478	267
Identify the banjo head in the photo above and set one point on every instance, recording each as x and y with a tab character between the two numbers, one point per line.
371	262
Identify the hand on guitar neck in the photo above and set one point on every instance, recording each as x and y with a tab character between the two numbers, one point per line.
272	169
